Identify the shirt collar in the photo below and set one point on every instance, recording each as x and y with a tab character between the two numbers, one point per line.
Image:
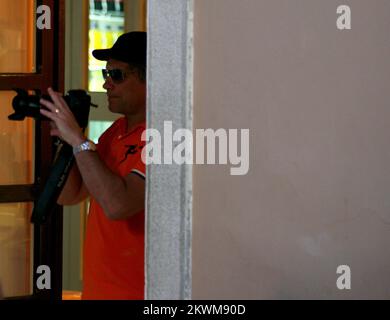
123	128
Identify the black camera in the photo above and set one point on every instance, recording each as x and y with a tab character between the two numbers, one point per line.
26	105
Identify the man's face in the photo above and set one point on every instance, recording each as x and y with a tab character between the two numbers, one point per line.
128	96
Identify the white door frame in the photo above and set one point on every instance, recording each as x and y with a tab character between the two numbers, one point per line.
169	187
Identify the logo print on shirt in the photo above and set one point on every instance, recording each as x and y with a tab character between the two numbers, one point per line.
131	149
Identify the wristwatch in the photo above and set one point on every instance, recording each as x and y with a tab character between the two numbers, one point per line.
85	146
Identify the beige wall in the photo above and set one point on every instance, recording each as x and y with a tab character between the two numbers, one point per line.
316	101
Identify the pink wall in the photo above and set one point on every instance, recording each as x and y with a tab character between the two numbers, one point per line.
317	195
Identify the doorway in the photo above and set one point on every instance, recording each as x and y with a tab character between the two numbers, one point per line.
91	25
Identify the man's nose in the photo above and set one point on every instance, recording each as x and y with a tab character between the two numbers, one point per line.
108	84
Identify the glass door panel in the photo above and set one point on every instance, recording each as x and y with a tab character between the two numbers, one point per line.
17	36
16	145
15	249
30	58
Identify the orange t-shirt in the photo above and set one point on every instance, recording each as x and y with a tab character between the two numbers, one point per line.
114	250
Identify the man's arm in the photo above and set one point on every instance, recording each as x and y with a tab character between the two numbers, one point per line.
119	197
74	190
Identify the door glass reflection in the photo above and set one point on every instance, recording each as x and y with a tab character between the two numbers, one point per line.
15	249
17	36
16	145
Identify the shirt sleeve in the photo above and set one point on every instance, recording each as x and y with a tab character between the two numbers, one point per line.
139	168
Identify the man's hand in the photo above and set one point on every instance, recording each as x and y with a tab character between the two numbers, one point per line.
65	125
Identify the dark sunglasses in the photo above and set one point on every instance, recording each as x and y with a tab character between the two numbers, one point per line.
116	75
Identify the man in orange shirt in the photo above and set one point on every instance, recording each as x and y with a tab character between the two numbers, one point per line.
111	173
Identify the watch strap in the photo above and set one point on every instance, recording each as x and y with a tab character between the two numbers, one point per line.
87	145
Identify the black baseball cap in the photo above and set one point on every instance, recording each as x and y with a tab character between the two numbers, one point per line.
129	47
